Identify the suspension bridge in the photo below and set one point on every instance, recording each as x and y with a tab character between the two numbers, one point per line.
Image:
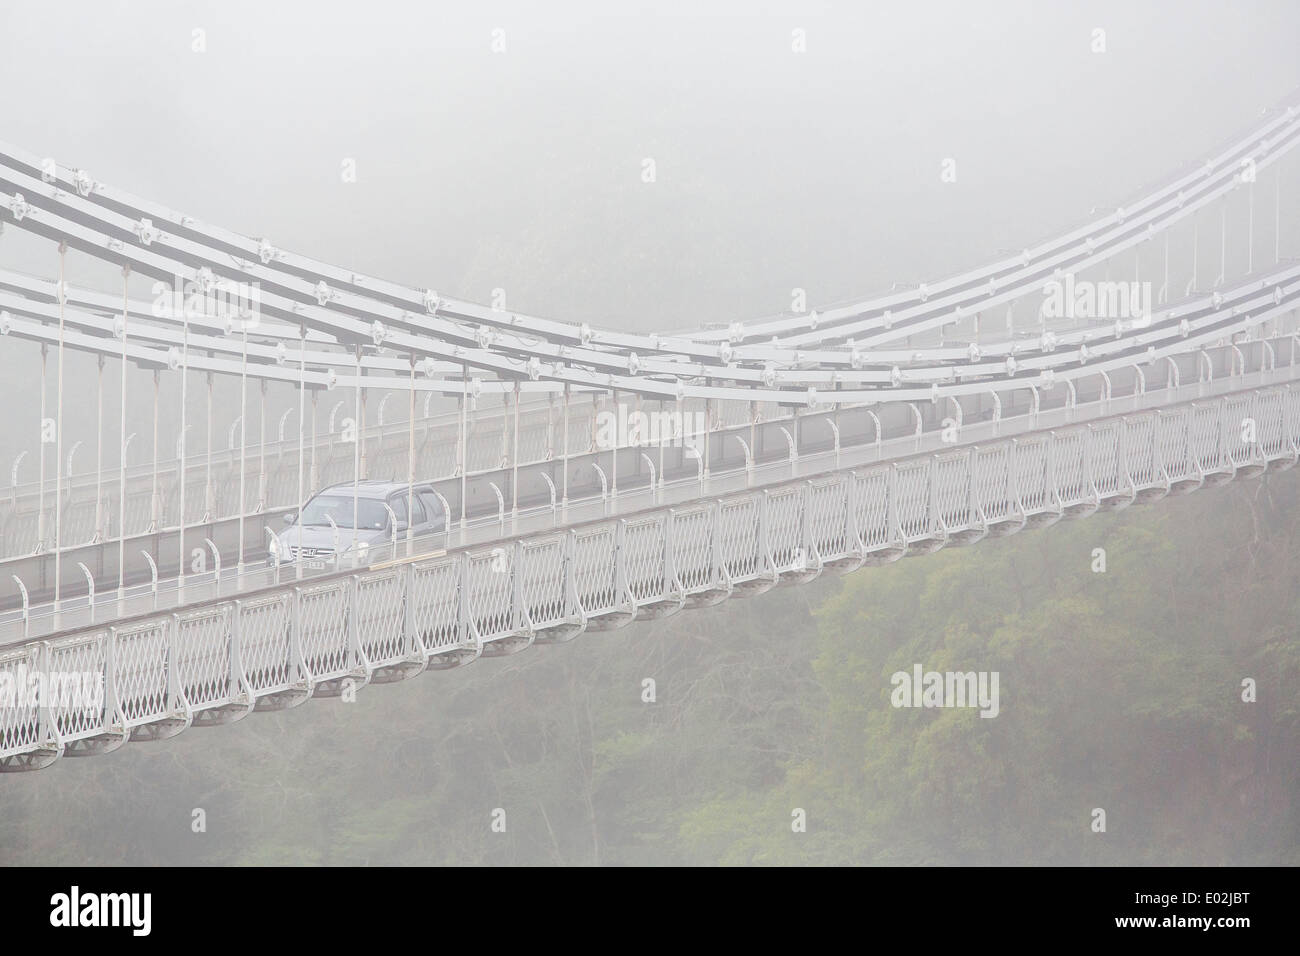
583	477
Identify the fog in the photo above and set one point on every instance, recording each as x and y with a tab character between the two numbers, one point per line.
501	146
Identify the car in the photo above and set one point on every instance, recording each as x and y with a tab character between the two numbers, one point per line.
319	543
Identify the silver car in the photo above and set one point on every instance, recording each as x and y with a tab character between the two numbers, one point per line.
319	543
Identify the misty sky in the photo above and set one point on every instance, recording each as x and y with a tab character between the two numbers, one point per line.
456	145
521	170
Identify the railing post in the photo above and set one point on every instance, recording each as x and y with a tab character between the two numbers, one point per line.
976	516
299	667
1013	475
1288	429
1158	448
761	537
1086	463
237	679
620	559
1121	454
852	538
463	625
46	726
718	567
573	605
1052	476
891	503
111	709
176	698
932	493
353	591
519	616
806	546
1259	450
1222	446
408	608
670	571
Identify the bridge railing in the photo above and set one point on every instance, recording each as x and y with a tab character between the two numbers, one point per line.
160	673
732	471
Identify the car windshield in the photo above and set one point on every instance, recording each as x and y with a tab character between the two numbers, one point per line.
373	515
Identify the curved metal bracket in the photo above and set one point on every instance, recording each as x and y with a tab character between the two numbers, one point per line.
446	517
875	420
501	503
216	560
90	589
749	458
13	474
789	440
153	574
644	457
686	450
604	482
550	485
72	453
280	430
22	590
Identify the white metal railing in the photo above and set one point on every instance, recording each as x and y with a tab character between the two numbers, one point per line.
214	662
915	515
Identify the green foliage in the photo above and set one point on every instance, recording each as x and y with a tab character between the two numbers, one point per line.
1119	690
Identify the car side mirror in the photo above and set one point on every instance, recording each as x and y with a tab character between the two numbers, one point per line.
288	517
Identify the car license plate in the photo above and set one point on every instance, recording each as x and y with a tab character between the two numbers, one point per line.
316	565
